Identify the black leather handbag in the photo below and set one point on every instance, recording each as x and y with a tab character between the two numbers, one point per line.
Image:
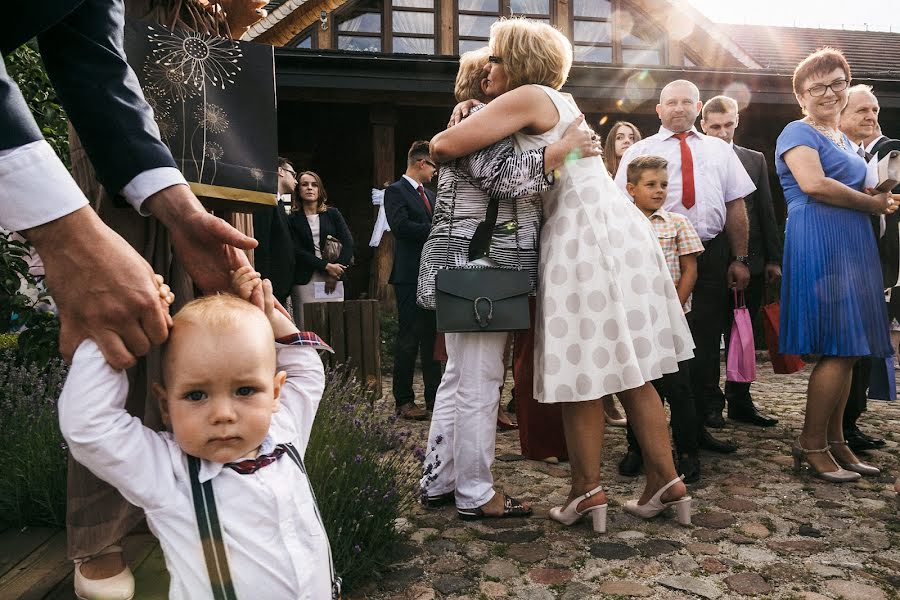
478	296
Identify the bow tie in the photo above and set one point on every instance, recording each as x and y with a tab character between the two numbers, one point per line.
252	465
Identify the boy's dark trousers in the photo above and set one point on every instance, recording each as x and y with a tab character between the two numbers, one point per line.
675	388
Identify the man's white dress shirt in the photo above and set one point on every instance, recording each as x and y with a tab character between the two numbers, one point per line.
719	177
276	547
36	188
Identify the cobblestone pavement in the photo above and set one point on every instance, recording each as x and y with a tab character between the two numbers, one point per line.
758	530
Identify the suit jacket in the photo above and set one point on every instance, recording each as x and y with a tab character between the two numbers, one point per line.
331	222
410	223
274	257
81	46
765	243
889	243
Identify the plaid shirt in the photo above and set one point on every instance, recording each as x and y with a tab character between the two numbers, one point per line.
677	237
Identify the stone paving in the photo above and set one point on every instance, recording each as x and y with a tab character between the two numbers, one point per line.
758	529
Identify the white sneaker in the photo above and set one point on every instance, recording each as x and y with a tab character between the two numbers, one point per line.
118	587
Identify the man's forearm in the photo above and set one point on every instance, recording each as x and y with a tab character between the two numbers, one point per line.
736	226
172	203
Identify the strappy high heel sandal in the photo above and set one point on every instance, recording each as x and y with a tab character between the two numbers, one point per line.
857	467
570	515
655	505
800	454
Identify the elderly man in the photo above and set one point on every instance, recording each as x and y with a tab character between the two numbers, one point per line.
859	122
720	119
712	198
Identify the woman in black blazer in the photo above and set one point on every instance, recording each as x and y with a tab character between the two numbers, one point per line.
313	225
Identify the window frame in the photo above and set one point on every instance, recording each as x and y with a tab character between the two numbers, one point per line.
504	10
310	32
618	47
386	33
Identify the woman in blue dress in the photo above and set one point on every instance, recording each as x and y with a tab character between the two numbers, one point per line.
832	302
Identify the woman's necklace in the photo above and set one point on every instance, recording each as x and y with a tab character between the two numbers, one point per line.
835	136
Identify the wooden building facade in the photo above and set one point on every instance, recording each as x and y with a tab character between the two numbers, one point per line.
360	80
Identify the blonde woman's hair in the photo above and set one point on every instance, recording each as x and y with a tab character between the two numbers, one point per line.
532	52
470	75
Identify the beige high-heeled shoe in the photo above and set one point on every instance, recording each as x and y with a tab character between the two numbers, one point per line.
570	515
655	505
857	467
800	454
118	587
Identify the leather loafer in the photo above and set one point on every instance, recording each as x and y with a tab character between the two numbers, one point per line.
751	416
412	412
631	463
860	442
689	467
715	420
708	442
876	442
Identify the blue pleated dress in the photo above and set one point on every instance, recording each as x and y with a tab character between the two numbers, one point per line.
832	297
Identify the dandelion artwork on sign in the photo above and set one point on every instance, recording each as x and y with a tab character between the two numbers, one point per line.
213	100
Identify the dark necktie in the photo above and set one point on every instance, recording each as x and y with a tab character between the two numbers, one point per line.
252	465
425	199
863	154
687	171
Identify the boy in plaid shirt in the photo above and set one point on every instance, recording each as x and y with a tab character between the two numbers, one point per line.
647	184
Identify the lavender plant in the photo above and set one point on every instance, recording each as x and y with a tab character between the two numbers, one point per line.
32	450
364	471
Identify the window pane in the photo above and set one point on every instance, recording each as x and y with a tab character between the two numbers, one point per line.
304	43
525	7
601	9
595	54
413	22
640	57
414	3
641	34
688	62
405	45
364	22
590	31
480	5
471	25
467	45
359	44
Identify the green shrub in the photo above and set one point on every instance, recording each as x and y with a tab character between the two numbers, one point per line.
32	450
364	473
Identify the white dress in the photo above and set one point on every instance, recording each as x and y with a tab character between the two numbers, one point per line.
608	317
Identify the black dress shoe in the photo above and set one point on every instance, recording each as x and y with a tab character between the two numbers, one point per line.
631	463
876	442
715	420
708	442
858	441
689	466
749	414
436	502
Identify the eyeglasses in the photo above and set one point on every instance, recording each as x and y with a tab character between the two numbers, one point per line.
835	86
495	59
291	171
429	163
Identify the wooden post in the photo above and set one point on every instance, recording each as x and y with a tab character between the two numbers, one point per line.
383	119
563	10
448	27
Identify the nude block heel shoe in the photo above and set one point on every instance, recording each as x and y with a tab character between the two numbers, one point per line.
857	467
570	515
800	454
655	505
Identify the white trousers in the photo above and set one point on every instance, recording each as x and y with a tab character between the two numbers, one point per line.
463	432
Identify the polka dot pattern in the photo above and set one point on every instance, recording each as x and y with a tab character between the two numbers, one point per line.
609	318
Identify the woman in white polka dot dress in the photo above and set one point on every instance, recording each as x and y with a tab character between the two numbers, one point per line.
609	319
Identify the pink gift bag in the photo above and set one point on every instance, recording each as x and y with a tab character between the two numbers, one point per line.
740	365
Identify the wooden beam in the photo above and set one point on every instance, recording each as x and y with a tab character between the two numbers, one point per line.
448	27
383	119
563	20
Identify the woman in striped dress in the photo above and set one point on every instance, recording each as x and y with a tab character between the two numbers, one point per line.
462	437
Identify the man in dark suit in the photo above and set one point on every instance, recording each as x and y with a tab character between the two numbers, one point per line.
274	257
720	119
859	121
409	207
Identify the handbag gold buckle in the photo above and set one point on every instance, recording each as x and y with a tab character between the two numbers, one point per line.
482	321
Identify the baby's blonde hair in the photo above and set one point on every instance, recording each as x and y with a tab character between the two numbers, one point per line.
532	52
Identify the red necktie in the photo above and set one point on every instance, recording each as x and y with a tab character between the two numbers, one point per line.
687	171
425	199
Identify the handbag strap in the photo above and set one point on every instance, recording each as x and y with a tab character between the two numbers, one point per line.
210	534
490	214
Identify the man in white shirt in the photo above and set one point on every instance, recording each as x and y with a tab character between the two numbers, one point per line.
707	184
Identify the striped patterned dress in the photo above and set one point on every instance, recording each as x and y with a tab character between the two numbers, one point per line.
517	180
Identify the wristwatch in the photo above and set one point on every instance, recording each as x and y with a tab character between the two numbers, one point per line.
743	259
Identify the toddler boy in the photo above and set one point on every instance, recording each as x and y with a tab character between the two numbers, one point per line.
224	489
647	185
